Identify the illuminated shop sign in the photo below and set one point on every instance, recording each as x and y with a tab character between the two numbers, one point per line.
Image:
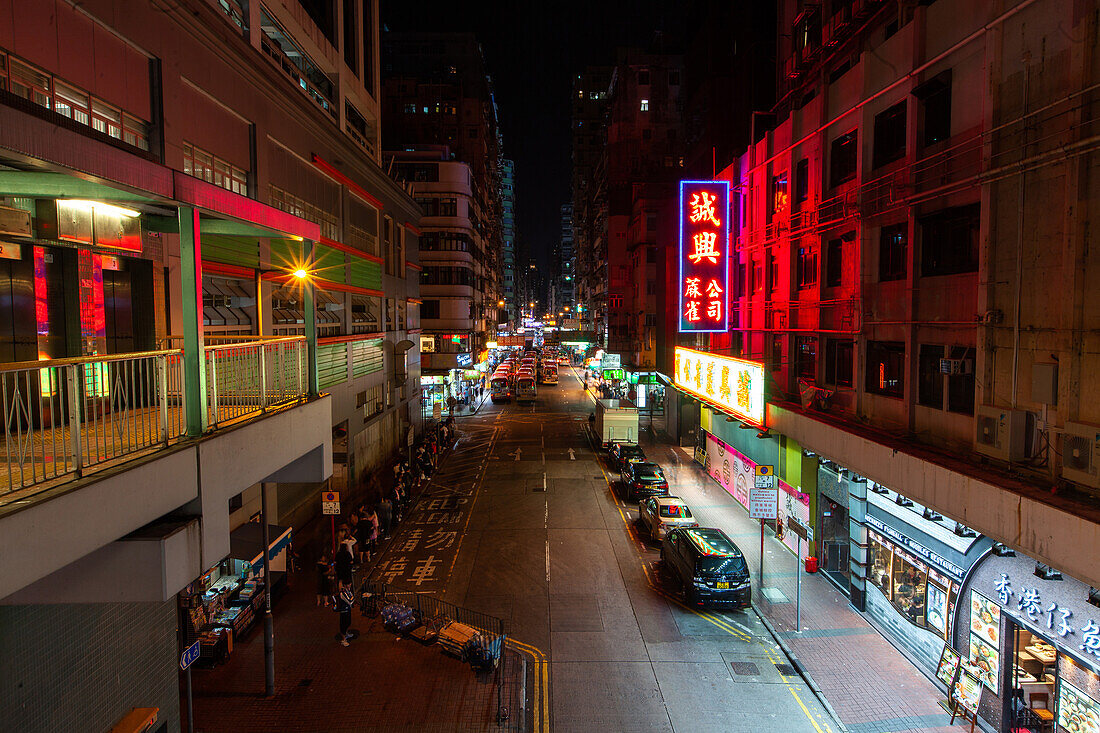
939	562
704	256
732	385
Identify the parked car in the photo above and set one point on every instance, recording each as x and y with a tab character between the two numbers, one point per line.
708	566
643	479
622	453
661	514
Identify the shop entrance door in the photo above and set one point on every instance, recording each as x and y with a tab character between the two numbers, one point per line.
1033	681
834	540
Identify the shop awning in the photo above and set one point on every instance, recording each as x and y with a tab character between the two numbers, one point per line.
247	543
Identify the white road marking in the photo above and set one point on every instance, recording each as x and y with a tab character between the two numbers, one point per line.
572	456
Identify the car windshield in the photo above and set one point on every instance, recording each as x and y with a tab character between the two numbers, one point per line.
728	565
675	511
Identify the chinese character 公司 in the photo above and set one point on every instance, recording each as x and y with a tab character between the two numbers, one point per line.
702	208
714	310
704	248
691	288
1029	603
714	289
691	312
1004	589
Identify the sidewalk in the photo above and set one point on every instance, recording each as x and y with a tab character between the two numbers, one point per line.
382	681
871	686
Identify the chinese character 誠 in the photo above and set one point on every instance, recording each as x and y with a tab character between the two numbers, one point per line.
704	248
702	208
1004	589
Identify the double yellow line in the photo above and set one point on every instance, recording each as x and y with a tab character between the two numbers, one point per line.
541	693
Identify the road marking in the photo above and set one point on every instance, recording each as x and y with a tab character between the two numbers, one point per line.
544	480
516	455
541	692
548	564
572	455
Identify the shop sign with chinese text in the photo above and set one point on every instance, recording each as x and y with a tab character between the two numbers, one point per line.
704	256
732	385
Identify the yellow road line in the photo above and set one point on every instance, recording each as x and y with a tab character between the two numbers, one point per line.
541	707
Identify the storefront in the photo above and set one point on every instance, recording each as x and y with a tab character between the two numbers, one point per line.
916	564
433	395
832	525
227	600
1032	637
647	391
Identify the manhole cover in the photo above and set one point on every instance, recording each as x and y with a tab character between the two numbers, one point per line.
786	670
745	668
774	595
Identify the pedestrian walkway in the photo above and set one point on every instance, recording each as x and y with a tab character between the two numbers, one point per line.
871	686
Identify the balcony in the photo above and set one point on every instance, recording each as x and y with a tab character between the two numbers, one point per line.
67	418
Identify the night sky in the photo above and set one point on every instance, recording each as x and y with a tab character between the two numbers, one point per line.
532	51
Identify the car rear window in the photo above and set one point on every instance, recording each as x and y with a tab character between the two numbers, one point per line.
650	474
675	512
730	565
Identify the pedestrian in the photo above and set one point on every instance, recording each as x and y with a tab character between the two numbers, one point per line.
343	602
385	515
372	522
364	530
344	558
324	578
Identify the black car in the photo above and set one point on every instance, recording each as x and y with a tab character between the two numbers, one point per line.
709	567
644	479
623	453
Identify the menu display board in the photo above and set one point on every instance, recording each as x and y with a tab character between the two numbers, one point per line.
968	692
986	661
948	666
937	609
1077	712
985	619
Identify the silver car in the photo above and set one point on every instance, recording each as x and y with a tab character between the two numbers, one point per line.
659	514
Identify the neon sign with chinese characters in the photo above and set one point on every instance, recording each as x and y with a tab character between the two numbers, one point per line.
735	386
704	256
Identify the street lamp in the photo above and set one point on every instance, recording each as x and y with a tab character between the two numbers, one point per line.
301	274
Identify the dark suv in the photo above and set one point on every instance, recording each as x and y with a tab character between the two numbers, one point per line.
644	479
623	453
710	568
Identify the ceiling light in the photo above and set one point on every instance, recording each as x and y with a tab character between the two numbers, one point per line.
99	205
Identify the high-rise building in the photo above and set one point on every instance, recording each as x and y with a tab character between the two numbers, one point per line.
566	265
912	273
508	237
208	268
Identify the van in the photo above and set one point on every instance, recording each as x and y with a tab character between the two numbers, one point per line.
709	568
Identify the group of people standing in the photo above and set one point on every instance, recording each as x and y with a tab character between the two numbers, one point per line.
358	537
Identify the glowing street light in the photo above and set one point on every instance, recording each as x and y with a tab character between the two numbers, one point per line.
301	274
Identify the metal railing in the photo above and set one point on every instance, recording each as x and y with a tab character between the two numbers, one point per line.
62	417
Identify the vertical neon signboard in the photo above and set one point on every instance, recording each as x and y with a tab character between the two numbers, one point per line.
704	256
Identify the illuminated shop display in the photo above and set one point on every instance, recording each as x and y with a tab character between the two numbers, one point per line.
732	385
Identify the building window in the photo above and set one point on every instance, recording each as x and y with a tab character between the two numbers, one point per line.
780	196
291	204
295	63
72	103
949	241
889	136
645	105
806	350
839	362
802	180
960	387
807	267
929	377
935	108
643	77
886	368
843	154
777	352
773	272
834	262
892	246
201	164
429	309
647	133
674	78
757	276
357	127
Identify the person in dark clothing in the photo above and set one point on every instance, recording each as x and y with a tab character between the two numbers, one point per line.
364	529
324	578
385	516
344	601
344	561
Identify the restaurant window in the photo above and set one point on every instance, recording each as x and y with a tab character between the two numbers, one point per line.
886	368
889	136
935	108
929	377
839	362
806	350
949	241
881	559
892	247
802	180
842	158
807	267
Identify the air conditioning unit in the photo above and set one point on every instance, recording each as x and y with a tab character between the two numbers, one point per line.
1081	454
1001	433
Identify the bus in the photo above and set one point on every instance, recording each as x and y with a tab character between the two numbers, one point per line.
500	387
549	373
525	386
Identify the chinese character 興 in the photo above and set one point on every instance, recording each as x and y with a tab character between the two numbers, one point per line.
704	248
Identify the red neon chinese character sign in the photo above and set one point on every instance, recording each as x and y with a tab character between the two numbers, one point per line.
704	256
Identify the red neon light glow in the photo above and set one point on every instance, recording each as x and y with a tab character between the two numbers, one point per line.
41	309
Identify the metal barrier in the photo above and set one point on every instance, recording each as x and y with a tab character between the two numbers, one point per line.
62	416
243	378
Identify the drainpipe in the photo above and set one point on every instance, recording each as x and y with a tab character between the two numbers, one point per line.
1019	250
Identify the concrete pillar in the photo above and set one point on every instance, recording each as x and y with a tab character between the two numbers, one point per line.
194	350
857	541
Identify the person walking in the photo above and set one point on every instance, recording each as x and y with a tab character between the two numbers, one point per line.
343	602
344	557
363	535
370	519
324	578
385	515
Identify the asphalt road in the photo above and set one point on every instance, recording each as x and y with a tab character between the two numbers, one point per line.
524	523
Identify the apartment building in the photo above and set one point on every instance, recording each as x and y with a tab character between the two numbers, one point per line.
912	271
208	320
565	262
508	238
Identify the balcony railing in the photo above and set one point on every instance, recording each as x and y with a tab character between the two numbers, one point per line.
66	417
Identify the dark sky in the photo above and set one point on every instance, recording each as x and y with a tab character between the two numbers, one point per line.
532	50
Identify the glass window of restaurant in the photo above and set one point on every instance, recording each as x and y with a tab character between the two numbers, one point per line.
922	595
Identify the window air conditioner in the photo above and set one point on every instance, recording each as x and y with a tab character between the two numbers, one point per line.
1081	454
1000	433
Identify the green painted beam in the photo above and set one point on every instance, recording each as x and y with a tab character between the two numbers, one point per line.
225	227
59	185
309	309
194	350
